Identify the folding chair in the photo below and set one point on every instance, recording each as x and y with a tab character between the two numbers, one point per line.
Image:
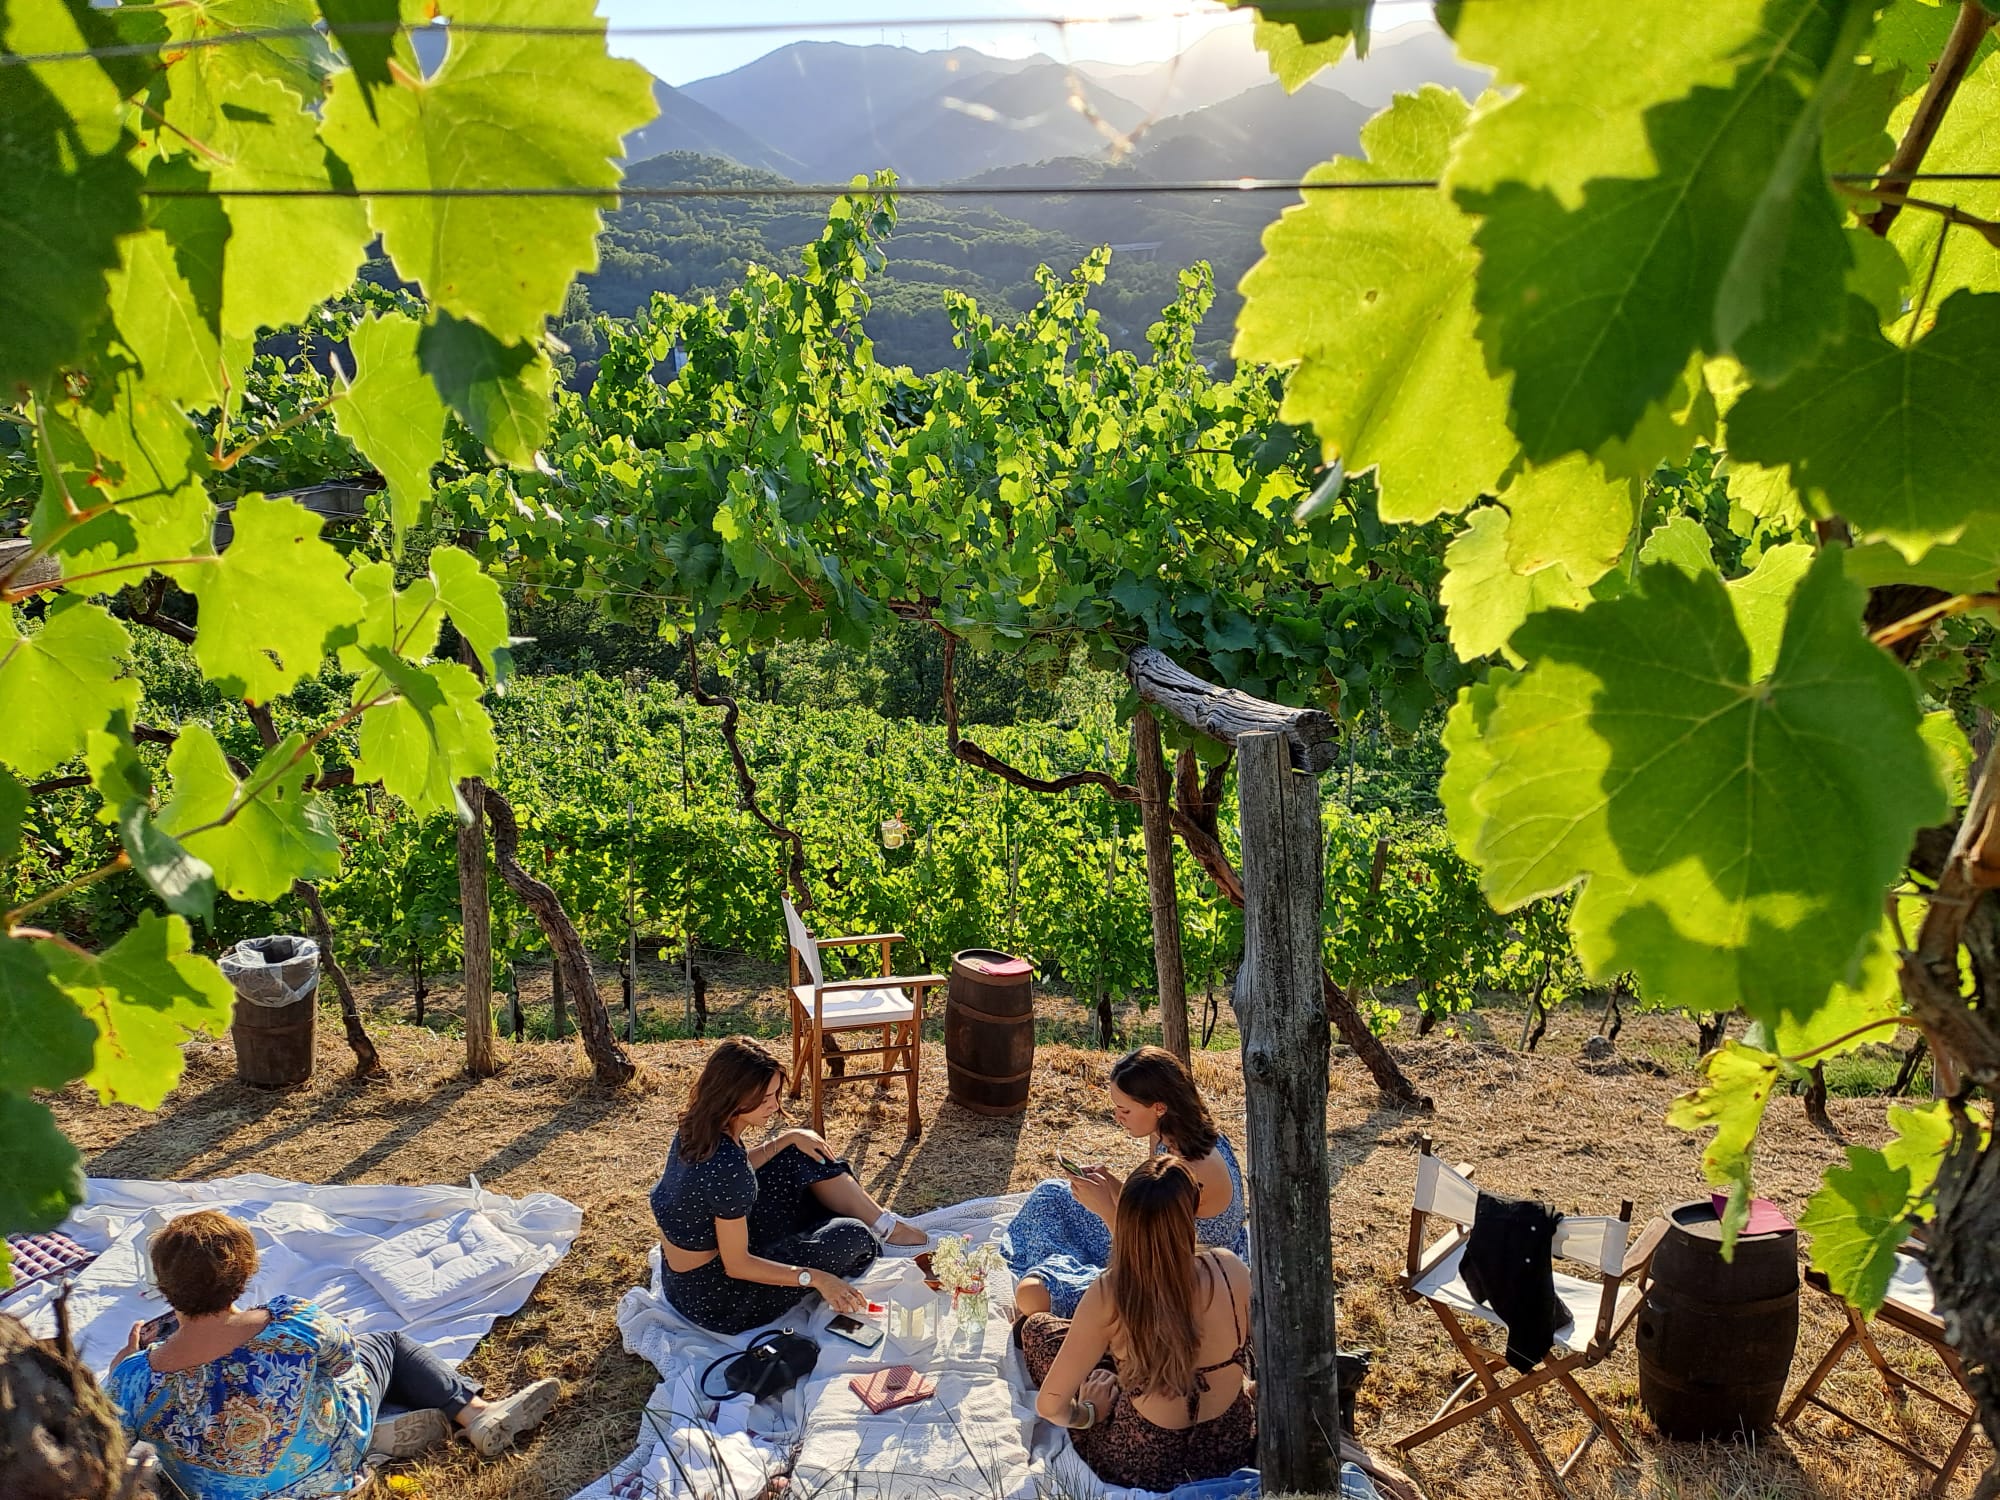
892	1004
1601	1305
1908	1310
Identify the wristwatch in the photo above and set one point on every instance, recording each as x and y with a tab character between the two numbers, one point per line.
805	1277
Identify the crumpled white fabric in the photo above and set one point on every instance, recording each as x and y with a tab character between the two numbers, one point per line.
309	1239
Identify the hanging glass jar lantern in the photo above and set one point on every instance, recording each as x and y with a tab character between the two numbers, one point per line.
894	831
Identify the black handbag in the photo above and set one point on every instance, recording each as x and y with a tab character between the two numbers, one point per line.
773	1364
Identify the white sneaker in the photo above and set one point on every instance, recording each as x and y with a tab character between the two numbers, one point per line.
410	1434
506	1419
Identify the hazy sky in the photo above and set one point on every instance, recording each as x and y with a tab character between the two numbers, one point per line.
1105	30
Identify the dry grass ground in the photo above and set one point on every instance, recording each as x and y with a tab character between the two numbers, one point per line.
1581	1135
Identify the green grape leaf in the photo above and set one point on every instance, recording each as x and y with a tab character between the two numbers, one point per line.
501	390
1568	515
1762	598
501	111
1370	294
364	31
1963	144
278	592
116	771
237	45
69	184
1680	542
1874	992
1897	439
393	414
1968	565
256	847
1668	431
41	1173
405	621
1740	1080
13	808
166	296
432	735
59	682
471	597
1923	1135
1633	755
183	883
285	255
1466	759
122	479
1301	38
49	1040
1951	753
1857	1219
1597	308
145	994
1484	599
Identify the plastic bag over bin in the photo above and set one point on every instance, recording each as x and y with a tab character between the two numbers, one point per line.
272	970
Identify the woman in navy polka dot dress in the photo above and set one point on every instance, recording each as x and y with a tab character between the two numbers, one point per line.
747	1231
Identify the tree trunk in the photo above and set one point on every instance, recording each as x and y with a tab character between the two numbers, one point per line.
476	915
1965	1268
606	1056
1286	1055
60	1437
1311	735
558	1010
1155	816
367	1061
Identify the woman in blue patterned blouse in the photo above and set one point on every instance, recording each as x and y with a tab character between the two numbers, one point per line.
280	1400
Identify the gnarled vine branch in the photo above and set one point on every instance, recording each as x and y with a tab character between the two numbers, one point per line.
746	784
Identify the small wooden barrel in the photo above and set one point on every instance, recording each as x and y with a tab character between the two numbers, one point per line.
1716	1337
989	1031
274	1043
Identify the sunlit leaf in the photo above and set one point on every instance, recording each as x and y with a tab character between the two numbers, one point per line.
260	835
48	1039
59	681
1732	1101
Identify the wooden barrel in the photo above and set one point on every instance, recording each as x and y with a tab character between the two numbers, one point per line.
274	1043
1716	1337
989	1031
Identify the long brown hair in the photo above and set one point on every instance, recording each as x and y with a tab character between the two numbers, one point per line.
1153	1075
733	1080
1151	1277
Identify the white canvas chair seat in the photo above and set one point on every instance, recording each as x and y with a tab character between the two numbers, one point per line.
1445	1284
840	1009
1910	1286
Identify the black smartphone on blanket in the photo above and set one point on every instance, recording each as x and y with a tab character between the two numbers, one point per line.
846	1326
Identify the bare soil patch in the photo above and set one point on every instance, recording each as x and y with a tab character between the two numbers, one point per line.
1580	1134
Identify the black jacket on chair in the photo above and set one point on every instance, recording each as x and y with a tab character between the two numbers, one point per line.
1509	1266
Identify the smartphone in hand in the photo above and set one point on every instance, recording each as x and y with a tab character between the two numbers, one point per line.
155	1329
1071	1165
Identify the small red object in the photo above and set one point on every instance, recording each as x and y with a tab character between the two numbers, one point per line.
1765	1216
898	1385
876	1307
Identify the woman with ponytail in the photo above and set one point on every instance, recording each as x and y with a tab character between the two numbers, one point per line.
1152	1377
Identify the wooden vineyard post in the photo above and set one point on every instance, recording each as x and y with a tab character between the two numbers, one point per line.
1156	819
1286	1056
476	918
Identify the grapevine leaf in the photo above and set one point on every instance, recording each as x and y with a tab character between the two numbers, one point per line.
1963	144
288	254
1761	599
145	993
501	390
1373	301
69	184
237	45
281	590
1923	1136
502	111
1568	515
427	739
1681	542
1466	759
1593	338
1969	565
41	1173
1302	38
1872	993
1857	1219
1484	599
405	621
364	29
259	846
1951	753
393	414
471	597
1635	753
1668	431
1896	438
184	883
13	808
122	479
166	297
1765	493
1740	1080
59	682
49	1040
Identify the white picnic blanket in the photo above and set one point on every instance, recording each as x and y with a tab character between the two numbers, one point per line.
311	1242
978	1439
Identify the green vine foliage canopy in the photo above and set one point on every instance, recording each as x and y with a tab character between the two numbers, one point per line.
1736	225
181	177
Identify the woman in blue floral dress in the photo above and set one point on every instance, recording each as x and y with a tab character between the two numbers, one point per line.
281	1400
1060	1241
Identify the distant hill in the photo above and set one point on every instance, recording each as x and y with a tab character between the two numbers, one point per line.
685	124
1262	132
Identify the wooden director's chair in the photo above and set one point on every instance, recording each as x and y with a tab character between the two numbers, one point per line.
892	1004
1602	1303
1908	1310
